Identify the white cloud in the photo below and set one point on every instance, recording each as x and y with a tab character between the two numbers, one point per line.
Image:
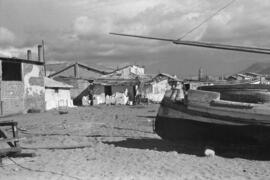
79	29
18	52
87	27
84	25
6	36
242	24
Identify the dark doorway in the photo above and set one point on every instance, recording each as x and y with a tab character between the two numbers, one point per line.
11	71
134	91
186	86
108	90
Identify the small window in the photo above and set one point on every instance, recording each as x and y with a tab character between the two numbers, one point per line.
11	71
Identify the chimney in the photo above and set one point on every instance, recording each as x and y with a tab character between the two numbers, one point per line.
29	56
39	52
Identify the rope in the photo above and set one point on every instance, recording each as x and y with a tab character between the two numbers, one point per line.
38	170
60	147
207	19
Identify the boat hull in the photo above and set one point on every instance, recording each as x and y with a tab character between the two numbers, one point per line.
179	130
226	123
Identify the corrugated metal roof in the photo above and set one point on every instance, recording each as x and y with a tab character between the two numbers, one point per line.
50	83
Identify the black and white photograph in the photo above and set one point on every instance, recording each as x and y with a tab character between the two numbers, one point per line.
134	89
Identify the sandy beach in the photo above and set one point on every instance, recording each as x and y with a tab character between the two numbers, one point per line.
120	144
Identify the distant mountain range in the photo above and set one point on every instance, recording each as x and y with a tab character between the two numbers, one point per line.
259	67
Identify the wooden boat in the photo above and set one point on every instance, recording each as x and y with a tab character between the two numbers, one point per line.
241	92
202	116
218	113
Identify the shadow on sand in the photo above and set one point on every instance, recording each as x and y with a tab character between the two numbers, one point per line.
151	117
246	152
153	144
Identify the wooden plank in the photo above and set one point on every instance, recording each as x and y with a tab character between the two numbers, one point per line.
62	70
1	104
7	151
92	69
8	123
23	155
76	70
231	104
3	134
15	135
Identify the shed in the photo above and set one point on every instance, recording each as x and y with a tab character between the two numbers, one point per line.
57	94
22	86
154	90
78	75
102	88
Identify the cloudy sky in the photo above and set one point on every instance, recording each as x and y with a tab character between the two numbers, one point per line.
77	30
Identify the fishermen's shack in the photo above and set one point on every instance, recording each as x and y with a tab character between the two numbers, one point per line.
77	75
114	89
154	90
22	86
57	94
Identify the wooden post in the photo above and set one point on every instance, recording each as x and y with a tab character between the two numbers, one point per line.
1	104
14	150
43	53
15	134
3	134
76	70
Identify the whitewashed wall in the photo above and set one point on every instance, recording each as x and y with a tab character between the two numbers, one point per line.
156	91
126	72
55	99
137	70
100	98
